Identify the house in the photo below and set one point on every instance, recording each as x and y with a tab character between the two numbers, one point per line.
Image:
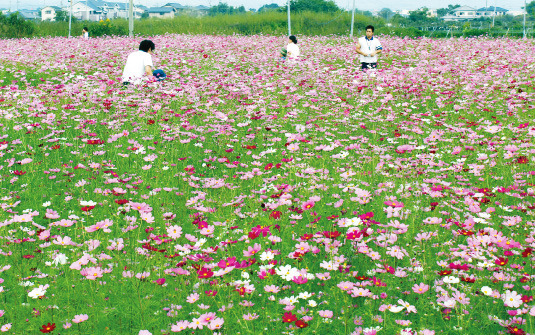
27	14
162	12
86	10
466	13
96	10
490	11
189	10
48	13
178	7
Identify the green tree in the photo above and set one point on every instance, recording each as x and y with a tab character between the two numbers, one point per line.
269	7
418	15
530	8
325	6
386	13
444	11
15	26
62	16
223	8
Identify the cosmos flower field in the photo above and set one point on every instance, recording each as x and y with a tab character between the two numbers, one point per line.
245	195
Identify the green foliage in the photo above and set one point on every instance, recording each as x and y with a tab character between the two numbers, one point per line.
419	15
444	11
530	8
15	26
386	13
264	8
107	28
317	6
63	16
223	8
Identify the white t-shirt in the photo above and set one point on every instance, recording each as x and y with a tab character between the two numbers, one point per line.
86	35
135	66
293	51
368	46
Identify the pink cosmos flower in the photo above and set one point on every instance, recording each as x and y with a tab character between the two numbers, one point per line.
92	272
326	314
142	275
420	288
252	250
179	326
80	318
216	323
174	232
308	205
192	298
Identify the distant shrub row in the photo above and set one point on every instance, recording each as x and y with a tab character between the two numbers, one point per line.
268	23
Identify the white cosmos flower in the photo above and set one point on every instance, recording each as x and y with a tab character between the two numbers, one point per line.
486	290
396	309
451	280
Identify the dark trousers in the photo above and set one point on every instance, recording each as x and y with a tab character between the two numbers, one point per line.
366	66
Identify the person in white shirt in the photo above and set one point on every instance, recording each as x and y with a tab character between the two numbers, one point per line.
140	63
369	47
85	33
292	50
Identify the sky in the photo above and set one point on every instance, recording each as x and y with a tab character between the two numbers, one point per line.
360	4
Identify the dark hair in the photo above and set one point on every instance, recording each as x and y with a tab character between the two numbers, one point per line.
370	27
293	39
145	45
85	28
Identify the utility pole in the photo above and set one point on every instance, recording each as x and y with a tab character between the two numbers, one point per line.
131	19
352	20
494	16
70	20
525	9
289	22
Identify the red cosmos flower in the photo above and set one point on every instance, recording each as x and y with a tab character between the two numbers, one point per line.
275	215
87	208
28	256
522	160
19	173
526	299
353	235
121	201
445	272
289	317
160	281
501	261
515	330
150	122
465	232
205	273
378	282
331	234
361	278
468	280
241	291
95	142
48	328
527	252
250	146
301	324
56	146
268	167
307	236
205	56
211	293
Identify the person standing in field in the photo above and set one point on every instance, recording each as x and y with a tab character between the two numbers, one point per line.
369	47
292	50
85	33
139	63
